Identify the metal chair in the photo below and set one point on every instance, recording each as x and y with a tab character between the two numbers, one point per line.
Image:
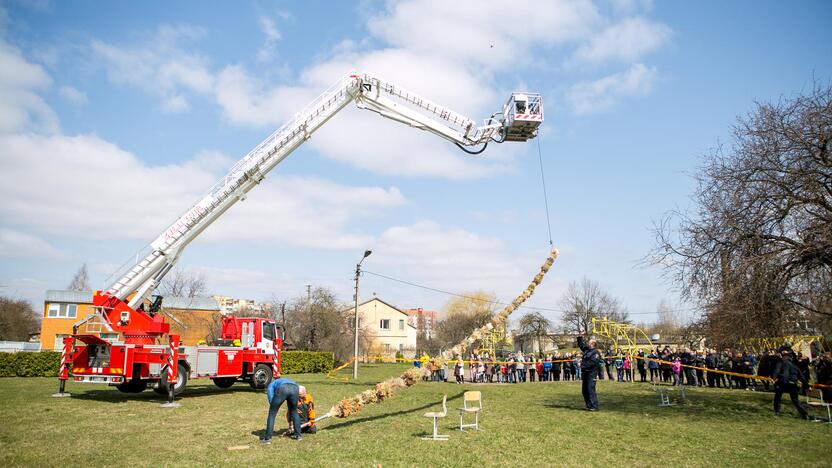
820	403
436	415
474	398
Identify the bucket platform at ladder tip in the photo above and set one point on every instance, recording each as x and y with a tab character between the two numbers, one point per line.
387	388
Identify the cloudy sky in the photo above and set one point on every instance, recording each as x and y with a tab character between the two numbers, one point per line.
115	117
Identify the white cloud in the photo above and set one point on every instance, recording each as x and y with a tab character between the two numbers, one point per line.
269	28
26	288
601	94
625	41
244	282
447	51
160	67
73	95
361	138
53	193
631	6
15	244
454	260
246	101
175	103
489	33
308	212
21	108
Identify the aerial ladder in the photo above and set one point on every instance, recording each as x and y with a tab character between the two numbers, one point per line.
123	306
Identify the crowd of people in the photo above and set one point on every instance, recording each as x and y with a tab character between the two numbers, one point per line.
517	368
677	366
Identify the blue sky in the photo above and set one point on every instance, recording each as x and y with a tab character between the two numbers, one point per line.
115	117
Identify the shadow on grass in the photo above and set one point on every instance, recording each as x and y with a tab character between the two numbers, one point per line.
433	404
260	433
340	383
113	395
698	404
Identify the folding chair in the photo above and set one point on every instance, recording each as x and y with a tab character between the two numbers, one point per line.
472	397
436	415
821	403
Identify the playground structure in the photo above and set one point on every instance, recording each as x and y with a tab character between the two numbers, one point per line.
617	332
630	334
490	341
797	342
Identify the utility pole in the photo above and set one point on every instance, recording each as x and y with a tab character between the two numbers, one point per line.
283	319
355	297
312	319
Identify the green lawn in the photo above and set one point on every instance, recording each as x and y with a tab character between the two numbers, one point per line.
533	424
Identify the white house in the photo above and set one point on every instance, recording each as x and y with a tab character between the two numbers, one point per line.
388	326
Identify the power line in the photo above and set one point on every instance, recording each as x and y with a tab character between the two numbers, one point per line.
450	293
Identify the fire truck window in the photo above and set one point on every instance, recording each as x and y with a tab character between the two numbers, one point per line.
268	331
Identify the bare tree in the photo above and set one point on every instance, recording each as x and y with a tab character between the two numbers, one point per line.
756	252
585	300
182	283
464	314
534	324
18	319
471	303
668	322
81	280
322	324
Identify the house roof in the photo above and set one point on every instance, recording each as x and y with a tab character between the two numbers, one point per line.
388	305
73	297
182	303
190	303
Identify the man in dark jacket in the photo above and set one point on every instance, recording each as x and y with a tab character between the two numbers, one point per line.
642	366
823	366
786	374
589	367
766	366
608	363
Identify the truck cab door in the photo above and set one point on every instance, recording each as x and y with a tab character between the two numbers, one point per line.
268	337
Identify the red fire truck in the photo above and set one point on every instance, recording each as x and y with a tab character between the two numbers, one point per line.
250	347
248	350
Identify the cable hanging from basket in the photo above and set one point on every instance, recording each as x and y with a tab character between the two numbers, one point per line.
545	196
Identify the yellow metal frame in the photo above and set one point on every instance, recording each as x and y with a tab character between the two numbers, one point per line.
489	342
796	341
616	331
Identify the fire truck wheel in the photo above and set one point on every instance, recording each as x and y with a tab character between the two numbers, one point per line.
132	386
224	382
261	377
181	381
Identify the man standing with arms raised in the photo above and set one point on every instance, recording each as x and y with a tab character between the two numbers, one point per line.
589	367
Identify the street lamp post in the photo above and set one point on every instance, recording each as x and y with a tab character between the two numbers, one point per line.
357	274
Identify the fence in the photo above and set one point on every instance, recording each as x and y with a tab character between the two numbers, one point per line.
18	347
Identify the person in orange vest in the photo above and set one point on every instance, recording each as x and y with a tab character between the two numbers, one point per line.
306	413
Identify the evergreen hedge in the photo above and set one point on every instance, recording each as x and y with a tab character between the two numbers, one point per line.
304	362
45	364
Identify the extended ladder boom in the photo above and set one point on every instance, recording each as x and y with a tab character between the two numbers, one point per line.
369	93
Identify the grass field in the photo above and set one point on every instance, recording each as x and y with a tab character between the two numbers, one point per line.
529	424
